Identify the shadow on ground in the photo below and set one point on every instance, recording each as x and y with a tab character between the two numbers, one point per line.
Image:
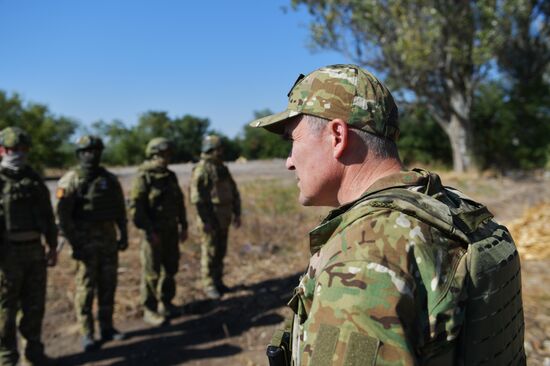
204	331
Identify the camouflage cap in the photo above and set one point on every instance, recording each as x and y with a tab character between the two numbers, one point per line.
211	142
157	145
89	142
347	92
11	137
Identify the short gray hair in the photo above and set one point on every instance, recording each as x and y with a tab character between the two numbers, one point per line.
380	147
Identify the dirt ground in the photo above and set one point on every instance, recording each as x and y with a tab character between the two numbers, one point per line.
265	258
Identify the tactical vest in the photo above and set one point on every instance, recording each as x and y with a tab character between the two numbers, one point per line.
99	199
222	191
163	197
20	199
493	329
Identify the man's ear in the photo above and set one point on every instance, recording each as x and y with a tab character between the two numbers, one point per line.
339	134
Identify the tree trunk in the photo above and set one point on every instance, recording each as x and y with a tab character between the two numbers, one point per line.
461	143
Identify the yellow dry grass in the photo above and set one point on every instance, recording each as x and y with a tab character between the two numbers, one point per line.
532	232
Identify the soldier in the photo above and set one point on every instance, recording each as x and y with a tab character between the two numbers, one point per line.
158	209
404	271
90	208
26	215
215	194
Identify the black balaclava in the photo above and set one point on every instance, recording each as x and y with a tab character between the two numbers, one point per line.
89	160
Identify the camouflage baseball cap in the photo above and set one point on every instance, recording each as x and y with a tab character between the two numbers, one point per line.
11	137
340	91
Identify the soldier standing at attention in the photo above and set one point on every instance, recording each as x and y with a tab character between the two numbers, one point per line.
25	216
158	209
90	208
404	271
215	194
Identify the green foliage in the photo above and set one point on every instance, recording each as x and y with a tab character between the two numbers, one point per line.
50	134
257	143
421	139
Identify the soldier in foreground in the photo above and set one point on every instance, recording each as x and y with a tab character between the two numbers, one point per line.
90	208
215	194
404	271
26	216
157	208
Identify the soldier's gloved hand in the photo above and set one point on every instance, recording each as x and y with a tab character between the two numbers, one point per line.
183	235
51	257
237	222
153	238
122	243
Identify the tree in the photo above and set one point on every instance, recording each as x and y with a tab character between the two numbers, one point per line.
437	51
49	133
257	143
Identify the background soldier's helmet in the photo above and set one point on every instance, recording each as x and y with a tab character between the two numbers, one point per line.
88	142
211	142
11	137
157	145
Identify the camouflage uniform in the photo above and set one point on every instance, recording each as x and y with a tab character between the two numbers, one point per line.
215	194
157	207
409	273
26	215
90	208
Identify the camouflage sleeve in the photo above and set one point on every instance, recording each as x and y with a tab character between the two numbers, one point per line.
65	194
236	197
139	204
182	216
390	296
200	194
121	220
49	228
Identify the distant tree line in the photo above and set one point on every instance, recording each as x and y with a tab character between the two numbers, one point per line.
511	126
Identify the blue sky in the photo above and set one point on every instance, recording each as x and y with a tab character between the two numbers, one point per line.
115	59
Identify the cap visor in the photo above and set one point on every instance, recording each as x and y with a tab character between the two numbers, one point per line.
275	122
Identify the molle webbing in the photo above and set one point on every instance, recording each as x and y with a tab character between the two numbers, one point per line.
101	201
493	331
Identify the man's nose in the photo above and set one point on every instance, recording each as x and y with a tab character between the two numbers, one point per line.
289	164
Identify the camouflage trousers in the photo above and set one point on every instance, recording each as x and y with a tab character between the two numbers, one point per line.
96	273
22	289
160	264
214	248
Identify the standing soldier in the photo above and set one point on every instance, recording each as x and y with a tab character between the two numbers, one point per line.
90	205
26	215
157	207
217	199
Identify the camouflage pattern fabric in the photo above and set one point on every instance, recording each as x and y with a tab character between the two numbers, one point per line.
26	214
96	273
89	224
386	286
160	265
157	206
215	195
340	91
11	137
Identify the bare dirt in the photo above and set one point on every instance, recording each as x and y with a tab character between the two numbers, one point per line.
265	258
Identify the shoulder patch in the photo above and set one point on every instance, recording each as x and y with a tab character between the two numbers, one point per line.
60	192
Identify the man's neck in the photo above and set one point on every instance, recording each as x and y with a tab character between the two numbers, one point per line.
358	178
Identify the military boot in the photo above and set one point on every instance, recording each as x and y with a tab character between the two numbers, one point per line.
153	318
38	360
212	293
169	310
89	344
112	334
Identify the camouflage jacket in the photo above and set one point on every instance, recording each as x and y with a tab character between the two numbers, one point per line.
156	198
96	199
212	184
25	205
387	283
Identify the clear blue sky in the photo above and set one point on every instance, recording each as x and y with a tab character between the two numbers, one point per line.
115	59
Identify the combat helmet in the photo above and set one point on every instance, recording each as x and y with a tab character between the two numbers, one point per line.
157	145
211	142
11	137
89	142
